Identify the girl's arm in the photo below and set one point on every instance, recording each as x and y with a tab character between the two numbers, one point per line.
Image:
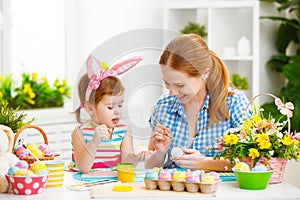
84	154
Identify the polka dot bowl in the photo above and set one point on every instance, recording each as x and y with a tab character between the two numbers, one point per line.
27	185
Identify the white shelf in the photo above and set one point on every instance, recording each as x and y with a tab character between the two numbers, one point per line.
226	22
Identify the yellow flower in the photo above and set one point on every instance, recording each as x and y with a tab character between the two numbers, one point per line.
34	77
61	90
226	138
31	94
247	125
43	79
1	78
65	82
27	88
264	144
287	140
1	95
231	139
253	153
261	137
298	156
57	83
32	102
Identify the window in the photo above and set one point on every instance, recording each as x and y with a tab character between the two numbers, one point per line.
38	38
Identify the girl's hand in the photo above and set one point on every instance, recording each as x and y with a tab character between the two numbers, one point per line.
101	133
192	159
161	138
143	155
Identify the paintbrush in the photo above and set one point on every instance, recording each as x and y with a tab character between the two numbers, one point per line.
166	131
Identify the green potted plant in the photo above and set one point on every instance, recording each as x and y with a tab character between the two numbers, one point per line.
239	82
193	27
12	117
284	62
33	92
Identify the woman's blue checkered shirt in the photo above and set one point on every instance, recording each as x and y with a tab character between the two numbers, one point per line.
170	112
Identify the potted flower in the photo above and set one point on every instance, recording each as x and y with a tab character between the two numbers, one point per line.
34	92
12	117
260	137
239	82
193	27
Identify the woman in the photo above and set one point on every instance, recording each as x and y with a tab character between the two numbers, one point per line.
200	106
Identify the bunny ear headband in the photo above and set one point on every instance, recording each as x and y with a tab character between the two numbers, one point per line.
97	71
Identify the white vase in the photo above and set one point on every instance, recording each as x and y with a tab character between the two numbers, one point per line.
243	47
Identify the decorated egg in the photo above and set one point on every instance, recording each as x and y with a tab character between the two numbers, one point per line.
260	167
22	164
38	166
45	149
241	166
22	152
12	171
31	146
24	172
38	153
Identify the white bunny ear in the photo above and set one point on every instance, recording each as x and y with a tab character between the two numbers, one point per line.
125	65
92	66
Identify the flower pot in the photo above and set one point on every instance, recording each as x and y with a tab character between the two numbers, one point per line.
253	180
278	166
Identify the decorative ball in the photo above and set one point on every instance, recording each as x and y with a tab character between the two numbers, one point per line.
37	166
22	164
12	171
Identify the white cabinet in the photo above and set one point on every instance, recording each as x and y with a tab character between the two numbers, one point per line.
226	23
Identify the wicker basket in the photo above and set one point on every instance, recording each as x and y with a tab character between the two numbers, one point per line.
31	159
277	164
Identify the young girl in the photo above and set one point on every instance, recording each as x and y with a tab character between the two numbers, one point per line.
102	142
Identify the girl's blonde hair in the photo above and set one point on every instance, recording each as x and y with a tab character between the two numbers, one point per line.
189	54
110	85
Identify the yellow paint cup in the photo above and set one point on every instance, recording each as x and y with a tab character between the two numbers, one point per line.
125	172
56	173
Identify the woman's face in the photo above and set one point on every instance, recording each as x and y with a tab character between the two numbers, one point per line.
109	110
184	87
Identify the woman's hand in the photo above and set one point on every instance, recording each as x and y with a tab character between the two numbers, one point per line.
161	138
191	159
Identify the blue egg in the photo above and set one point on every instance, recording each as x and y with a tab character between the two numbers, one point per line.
12	170
260	168
43	172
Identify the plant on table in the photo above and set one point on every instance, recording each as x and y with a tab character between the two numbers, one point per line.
261	137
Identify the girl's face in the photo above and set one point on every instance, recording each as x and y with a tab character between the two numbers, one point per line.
109	110
184	87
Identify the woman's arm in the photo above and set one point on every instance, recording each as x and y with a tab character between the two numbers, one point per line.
192	159
127	150
84	154
157	158
160	142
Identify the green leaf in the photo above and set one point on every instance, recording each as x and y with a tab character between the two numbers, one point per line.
292	71
285	34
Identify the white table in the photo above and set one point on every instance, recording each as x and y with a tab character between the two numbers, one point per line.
226	190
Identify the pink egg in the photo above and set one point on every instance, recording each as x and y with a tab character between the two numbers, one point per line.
22	164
